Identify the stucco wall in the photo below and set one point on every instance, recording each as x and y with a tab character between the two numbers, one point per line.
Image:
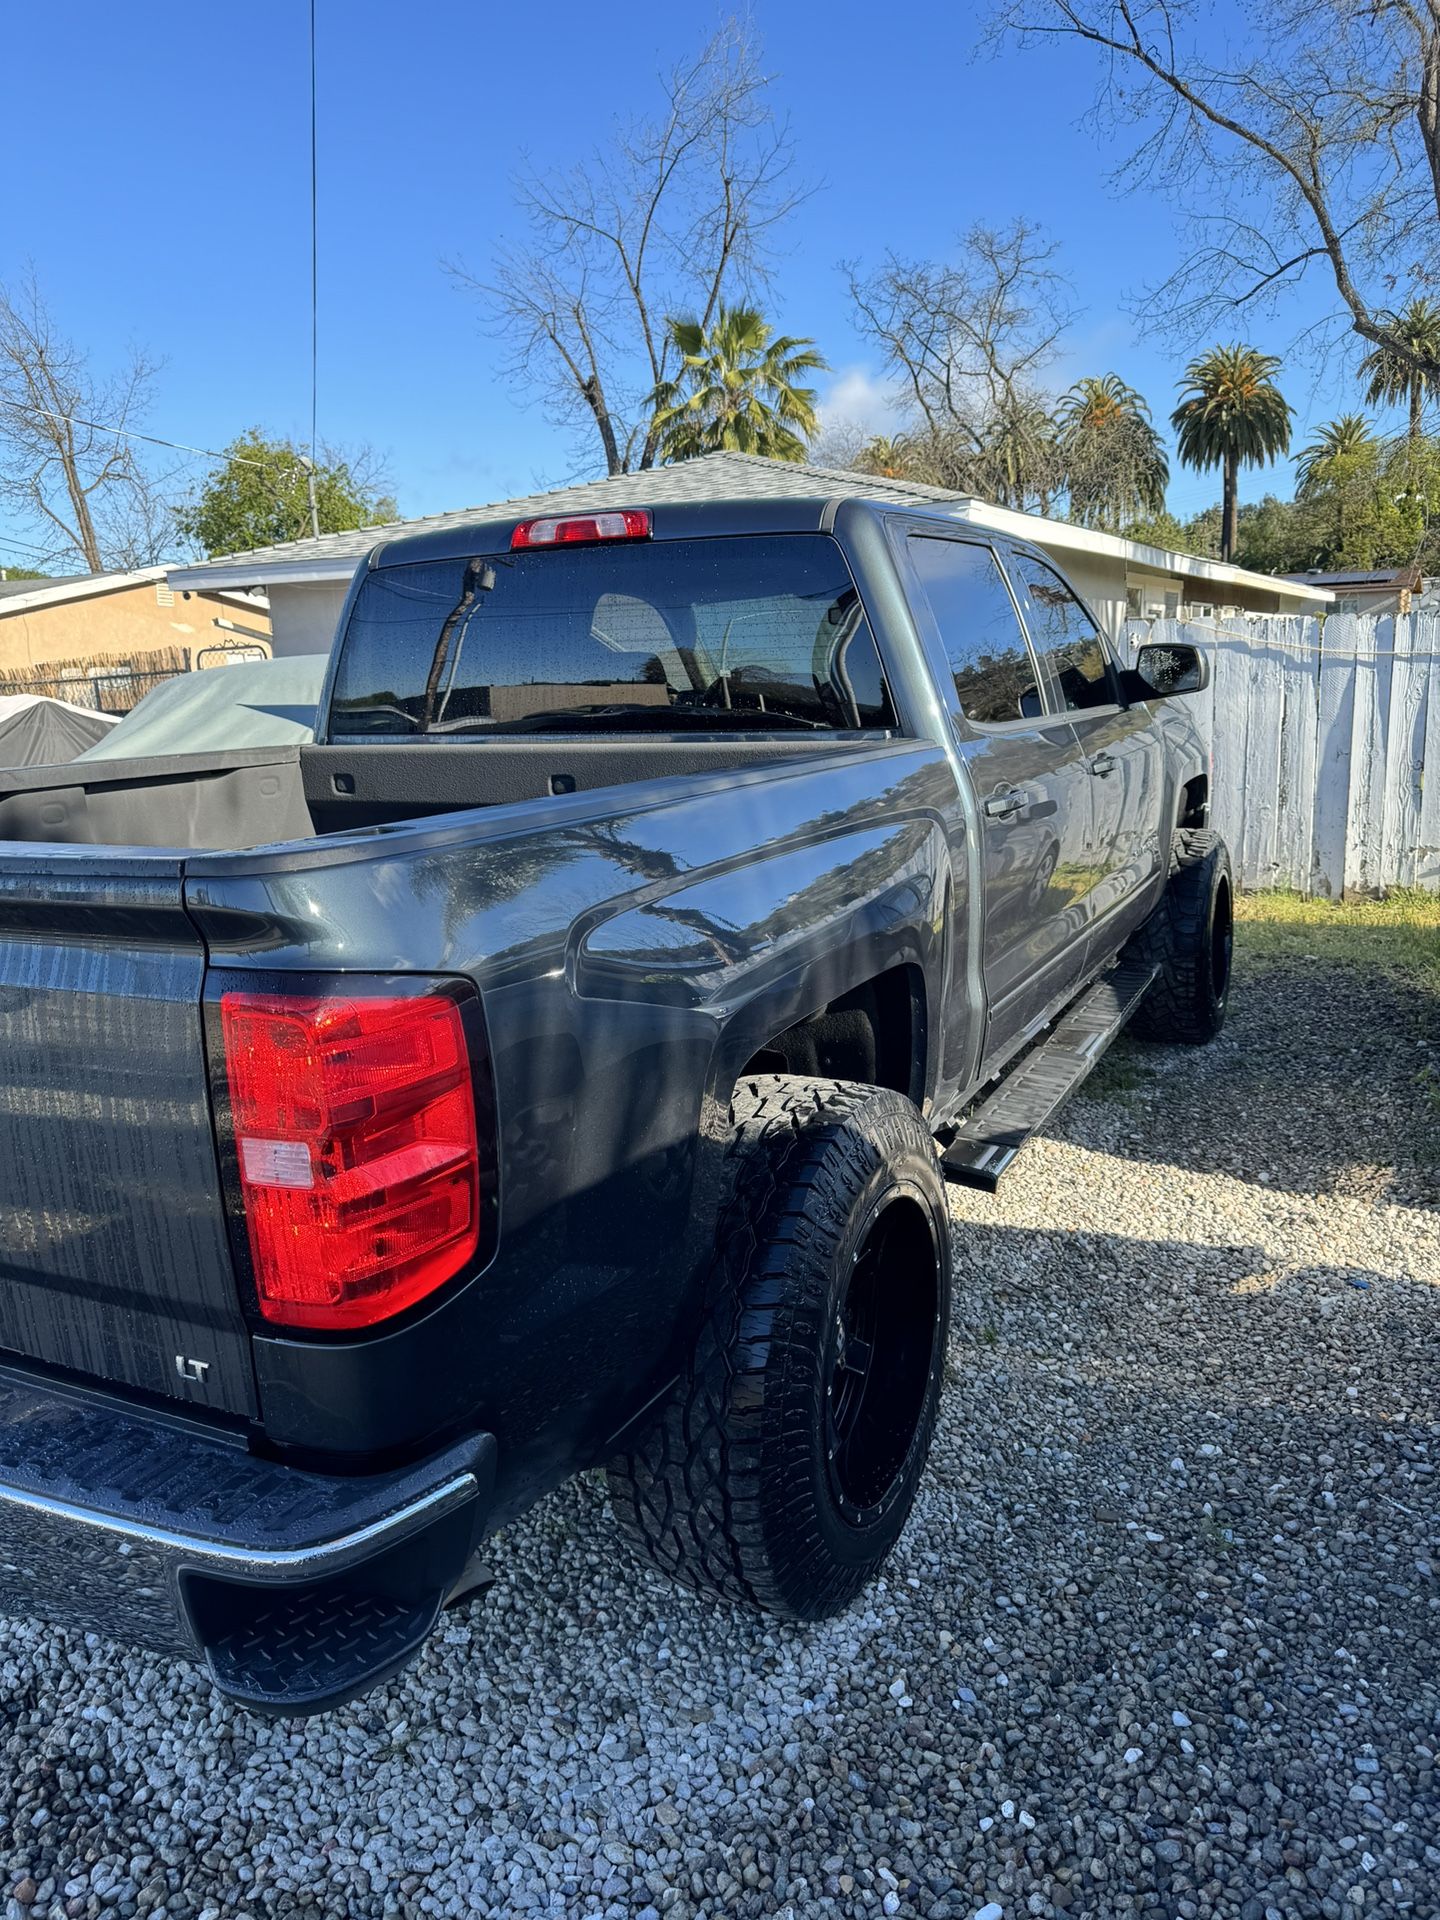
1100	584
304	615
113	626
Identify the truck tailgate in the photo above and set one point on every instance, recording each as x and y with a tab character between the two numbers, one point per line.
114	1262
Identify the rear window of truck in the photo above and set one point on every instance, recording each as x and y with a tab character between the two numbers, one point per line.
741	634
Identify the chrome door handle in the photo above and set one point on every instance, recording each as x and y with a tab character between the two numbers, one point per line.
1102	764
1004	806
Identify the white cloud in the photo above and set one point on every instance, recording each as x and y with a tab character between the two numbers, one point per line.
856	398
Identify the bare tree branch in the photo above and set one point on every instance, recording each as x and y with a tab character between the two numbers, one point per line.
680	211
83	488
969	341
1324	142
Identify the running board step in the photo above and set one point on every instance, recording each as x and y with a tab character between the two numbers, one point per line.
991	1136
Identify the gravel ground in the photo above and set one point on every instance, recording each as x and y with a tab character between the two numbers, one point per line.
1160	1639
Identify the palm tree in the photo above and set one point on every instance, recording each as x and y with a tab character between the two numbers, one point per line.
1393	377
737	390
1336	440
1337	491
1017	461
1115	461
1231	411
888	455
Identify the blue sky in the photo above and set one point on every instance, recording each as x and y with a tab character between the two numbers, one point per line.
173	209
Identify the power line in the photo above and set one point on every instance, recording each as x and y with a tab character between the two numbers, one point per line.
28	551
314	284
24	546
150	439
155	440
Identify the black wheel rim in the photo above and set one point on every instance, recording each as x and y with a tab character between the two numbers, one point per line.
882	1357
1222	944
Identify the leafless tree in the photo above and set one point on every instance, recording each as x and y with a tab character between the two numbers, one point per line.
1316	145
679	211
844	446
65	466
967	341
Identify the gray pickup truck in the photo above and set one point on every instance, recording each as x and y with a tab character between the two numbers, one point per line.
557	1064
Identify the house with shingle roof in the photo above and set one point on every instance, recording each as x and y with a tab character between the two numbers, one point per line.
1375	590
306	580
100	637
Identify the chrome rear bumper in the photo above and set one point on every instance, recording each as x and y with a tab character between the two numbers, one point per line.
297	1589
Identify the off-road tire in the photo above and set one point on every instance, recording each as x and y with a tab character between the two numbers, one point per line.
734	1486
1190	938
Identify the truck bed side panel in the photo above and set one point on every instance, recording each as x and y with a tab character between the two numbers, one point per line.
628	947
114	1261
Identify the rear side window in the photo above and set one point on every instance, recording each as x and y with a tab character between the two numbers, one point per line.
1066	638
993	667
744	634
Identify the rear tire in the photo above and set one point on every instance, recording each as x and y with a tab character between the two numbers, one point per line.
1190	937
785	1463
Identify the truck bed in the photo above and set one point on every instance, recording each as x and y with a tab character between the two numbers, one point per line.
263	796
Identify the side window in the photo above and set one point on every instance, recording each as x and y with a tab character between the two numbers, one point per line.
1066	638
993	667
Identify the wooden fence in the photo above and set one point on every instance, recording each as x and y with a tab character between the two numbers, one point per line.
103	681
1322	734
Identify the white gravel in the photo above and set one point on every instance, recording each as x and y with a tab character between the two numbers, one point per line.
1161	1638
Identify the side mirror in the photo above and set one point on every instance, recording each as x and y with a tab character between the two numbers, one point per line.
1171	667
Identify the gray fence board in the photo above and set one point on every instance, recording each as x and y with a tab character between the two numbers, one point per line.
1364	837
1335	732
1427	838
1295	815
1321	740
1404	755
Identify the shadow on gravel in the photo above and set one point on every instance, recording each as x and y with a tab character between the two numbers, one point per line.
1114	1314
1325	1080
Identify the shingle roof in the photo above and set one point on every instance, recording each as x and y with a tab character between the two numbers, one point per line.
32	586
714	476
1381	577
18	596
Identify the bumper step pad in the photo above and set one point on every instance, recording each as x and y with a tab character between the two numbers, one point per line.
991	1135
298	1589
299	1652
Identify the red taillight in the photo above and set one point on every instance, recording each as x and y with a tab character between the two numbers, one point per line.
357	1150
626	523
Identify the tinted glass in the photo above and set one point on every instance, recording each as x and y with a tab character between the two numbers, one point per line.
705	635
1067	638
993	669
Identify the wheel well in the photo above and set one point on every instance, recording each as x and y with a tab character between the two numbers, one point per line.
874	1034
1194	808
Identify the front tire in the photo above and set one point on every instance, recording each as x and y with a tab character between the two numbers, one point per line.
1191	938
786	1461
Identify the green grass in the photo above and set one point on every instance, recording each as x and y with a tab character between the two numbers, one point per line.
1118	1074
1398	935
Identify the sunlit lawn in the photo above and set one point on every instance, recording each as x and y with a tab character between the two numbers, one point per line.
1399	934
